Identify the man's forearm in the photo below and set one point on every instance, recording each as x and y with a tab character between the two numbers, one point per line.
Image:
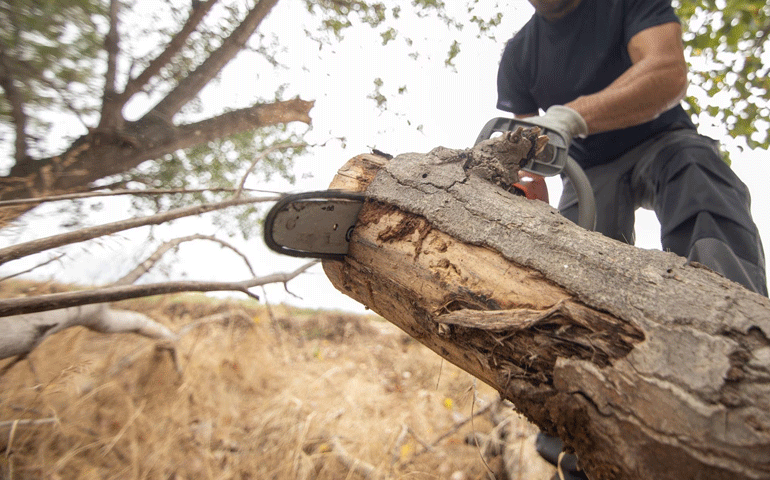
641	94
656	82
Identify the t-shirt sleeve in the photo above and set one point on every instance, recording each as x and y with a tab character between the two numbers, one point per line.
512	92
643	14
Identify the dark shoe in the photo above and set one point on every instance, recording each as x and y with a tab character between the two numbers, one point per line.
552	449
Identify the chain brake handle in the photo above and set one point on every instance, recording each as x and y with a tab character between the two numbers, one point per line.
550	162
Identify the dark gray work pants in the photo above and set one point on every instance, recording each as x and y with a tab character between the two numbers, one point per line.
702	206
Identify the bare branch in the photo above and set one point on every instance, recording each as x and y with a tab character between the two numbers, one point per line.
146	265
35	246
189	87
174	46
54	301
24	332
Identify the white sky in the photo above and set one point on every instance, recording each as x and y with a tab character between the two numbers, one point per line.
451	106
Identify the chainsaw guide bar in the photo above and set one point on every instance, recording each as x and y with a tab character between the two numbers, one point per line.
313	224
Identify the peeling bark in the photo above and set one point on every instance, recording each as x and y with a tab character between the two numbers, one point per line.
645	365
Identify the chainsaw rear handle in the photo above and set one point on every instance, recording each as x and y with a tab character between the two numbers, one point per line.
554	162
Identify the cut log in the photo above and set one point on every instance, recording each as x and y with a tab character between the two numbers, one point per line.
645	365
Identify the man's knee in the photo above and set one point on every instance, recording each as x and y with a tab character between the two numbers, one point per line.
722	245
722	258
696	180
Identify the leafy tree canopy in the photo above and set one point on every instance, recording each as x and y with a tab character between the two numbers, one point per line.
110	68
729	48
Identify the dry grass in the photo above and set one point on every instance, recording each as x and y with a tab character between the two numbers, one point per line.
259	399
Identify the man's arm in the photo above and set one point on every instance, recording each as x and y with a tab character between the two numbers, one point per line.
656	82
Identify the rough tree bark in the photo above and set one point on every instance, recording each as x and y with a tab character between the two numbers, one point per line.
646	366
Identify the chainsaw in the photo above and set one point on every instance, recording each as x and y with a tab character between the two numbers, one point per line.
319	224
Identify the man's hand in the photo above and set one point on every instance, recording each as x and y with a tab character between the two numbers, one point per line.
562	119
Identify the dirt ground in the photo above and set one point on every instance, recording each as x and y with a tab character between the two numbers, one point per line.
255	393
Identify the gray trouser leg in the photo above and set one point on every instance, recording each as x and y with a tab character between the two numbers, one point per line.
615	204
703	207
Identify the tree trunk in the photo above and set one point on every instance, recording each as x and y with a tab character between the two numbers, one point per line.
647	366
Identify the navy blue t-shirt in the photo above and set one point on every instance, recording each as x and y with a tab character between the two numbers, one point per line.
552	63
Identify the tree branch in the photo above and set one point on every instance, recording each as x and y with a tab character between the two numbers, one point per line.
112	116
35	246
15	100
55	301
189	87
245	119
85	163
22	333
134	85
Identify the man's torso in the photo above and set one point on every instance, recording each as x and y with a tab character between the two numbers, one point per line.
552	63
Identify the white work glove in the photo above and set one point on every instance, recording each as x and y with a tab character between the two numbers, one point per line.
562	119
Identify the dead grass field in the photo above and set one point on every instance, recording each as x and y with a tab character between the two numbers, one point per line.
265	395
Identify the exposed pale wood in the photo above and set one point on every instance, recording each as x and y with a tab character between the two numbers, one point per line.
647	366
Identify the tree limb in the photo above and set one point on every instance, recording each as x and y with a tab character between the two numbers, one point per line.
54	301
112	117
35	246
15	100
193	83
135	84
241	120
86	162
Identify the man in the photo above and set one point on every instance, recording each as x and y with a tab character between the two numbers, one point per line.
611	75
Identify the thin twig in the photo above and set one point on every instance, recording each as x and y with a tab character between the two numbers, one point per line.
120	192
216	318
12	363
457	426
116	438
28	422
398	444
261	157
475	437
35	246
50	260
355	465
54	301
